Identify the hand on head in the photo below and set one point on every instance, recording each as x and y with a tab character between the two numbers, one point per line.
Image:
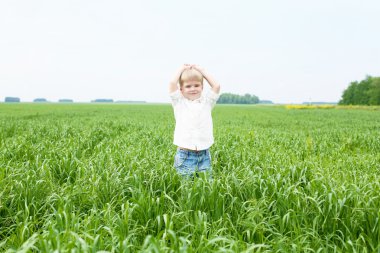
192	66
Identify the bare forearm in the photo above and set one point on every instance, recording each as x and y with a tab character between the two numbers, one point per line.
173	85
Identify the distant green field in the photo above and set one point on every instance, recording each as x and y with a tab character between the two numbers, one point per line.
99	177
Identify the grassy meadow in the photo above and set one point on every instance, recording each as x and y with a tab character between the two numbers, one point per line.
99	177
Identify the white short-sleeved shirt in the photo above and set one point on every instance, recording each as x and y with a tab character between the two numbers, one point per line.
193	129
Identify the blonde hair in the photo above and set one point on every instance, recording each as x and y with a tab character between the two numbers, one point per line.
190	75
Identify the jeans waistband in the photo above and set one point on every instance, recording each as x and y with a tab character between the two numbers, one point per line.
191	151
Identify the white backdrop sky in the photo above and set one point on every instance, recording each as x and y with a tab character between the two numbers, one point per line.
285	51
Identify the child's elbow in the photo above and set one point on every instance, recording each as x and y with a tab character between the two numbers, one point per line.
216	88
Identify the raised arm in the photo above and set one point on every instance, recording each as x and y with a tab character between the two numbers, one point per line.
173	86
215	87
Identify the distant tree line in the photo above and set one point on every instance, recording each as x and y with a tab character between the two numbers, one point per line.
12	100
40	100
67	100
265	102
102	100
229	98
365	92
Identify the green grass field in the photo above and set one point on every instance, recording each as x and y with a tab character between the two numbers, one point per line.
92	177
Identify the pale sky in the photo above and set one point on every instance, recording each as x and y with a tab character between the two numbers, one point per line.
288	51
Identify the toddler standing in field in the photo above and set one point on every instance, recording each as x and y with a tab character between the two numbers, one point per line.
193	133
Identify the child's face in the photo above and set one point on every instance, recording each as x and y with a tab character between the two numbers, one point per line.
192	89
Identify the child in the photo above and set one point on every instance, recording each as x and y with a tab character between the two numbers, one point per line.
193	133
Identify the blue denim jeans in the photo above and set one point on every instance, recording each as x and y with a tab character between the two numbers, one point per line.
190	163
